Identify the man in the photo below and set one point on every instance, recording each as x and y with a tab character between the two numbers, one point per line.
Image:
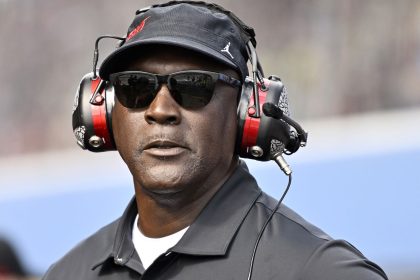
197	211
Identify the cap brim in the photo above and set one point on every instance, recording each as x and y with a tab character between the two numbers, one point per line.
107	66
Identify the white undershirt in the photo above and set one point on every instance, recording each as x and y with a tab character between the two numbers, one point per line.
149	249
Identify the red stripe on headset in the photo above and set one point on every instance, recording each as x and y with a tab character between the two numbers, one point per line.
99	119
252	125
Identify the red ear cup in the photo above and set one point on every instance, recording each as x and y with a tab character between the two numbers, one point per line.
258	138
248	126
92	110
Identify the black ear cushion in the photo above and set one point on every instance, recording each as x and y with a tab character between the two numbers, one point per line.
92	122
82	120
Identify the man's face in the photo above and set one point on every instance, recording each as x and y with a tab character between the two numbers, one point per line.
167	148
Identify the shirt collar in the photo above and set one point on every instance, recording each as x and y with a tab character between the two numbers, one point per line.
210	234
213	230
121	248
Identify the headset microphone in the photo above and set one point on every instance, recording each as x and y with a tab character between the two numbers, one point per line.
272	110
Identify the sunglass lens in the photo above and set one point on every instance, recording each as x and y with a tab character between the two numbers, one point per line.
135	90
192	90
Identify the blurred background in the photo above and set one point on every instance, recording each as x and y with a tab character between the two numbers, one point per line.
352	70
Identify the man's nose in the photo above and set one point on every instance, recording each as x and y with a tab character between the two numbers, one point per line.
163	109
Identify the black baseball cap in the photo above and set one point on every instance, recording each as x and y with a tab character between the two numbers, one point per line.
197	27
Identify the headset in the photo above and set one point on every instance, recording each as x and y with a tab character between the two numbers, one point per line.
265	129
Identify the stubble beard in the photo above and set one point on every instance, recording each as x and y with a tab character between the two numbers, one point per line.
176	185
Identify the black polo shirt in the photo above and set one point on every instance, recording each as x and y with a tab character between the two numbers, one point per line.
219	244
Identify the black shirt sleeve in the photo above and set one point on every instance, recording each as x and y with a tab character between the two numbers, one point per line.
339	260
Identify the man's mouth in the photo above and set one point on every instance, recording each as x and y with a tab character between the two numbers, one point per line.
164	148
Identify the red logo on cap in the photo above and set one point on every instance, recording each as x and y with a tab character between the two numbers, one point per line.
137	29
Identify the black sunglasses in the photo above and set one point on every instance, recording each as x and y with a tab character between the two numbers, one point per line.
192	89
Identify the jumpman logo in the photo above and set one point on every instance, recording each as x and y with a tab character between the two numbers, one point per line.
226	50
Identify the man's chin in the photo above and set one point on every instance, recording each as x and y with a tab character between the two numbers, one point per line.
164	180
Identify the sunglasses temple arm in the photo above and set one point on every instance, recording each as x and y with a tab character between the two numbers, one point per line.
229	80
